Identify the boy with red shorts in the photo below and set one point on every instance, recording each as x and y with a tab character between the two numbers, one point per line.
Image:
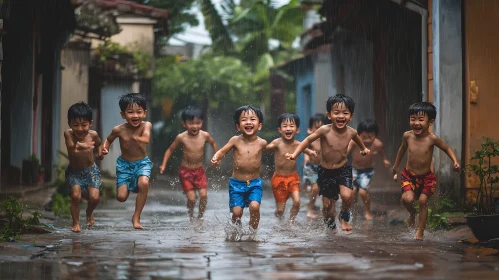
191	172
418	182
285	181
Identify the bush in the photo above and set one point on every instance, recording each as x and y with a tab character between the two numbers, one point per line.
61	204
13	211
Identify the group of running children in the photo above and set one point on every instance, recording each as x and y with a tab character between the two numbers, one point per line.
326	169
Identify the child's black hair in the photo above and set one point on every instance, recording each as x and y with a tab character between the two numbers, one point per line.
81	111
247	108
132	98
423	107
317	118
338	99
368	126
190	113
288	117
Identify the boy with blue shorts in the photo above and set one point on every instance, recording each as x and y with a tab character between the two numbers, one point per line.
362	166
245	185
82	174
133	167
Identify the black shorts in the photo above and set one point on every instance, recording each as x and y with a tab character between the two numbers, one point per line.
329	180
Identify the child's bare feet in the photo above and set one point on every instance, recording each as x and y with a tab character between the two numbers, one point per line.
419	235
369	216
76	227
311	214
136	223
411	221
90	220
345	226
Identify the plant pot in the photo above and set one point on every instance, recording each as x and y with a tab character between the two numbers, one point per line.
484	227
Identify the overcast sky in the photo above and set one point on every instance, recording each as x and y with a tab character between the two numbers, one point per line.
199	34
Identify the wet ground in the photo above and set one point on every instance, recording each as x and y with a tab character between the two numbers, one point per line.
172	248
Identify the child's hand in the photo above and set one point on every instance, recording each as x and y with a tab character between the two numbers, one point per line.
457	167
162	168
365	152
215	160
395	177
290	156
105	151
394	170
386	163
313	153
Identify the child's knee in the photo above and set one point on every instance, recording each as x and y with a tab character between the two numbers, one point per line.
191	200
254	207
94	198
76	196
296	204
203	196
423	202
407	197
143	183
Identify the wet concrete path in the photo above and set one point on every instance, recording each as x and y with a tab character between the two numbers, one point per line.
172	248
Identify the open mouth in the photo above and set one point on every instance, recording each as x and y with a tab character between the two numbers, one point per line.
289	134
135	122
340	123
248	128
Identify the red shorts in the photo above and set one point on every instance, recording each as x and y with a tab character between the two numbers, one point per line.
284	185
192	179
418	183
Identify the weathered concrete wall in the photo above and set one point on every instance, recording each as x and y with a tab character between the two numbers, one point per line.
448	90
323	84
74	86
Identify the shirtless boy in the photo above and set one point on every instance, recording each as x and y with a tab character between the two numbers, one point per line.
362	166
311	164
82	174
245	185
285	181
133	167
191	172
335	176
417	179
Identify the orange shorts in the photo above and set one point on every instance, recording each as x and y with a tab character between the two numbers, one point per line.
284	185
418	183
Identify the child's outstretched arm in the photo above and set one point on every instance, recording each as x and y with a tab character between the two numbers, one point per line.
350	147
400	154
310	152
104	150
382	154
363	150
271	147
169	152
98	143
212	142
448	150
307	141
145	136
220	154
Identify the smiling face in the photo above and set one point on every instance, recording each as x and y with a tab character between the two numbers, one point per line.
134	115
80	128
249	124
288	129
193	126
420	123
340	116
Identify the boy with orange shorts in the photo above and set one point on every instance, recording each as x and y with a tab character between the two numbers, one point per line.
418	182
191	172
285	181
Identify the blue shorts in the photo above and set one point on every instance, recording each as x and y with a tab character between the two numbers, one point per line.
310	173
128	172
88	177
241	193
362	177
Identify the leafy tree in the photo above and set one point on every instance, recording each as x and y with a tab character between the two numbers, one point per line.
180	16
208	81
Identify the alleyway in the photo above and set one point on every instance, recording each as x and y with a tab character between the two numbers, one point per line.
171	248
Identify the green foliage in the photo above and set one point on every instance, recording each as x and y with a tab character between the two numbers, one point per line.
208	81
13	211
180	16
437	218
109	49
487	173
61	204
